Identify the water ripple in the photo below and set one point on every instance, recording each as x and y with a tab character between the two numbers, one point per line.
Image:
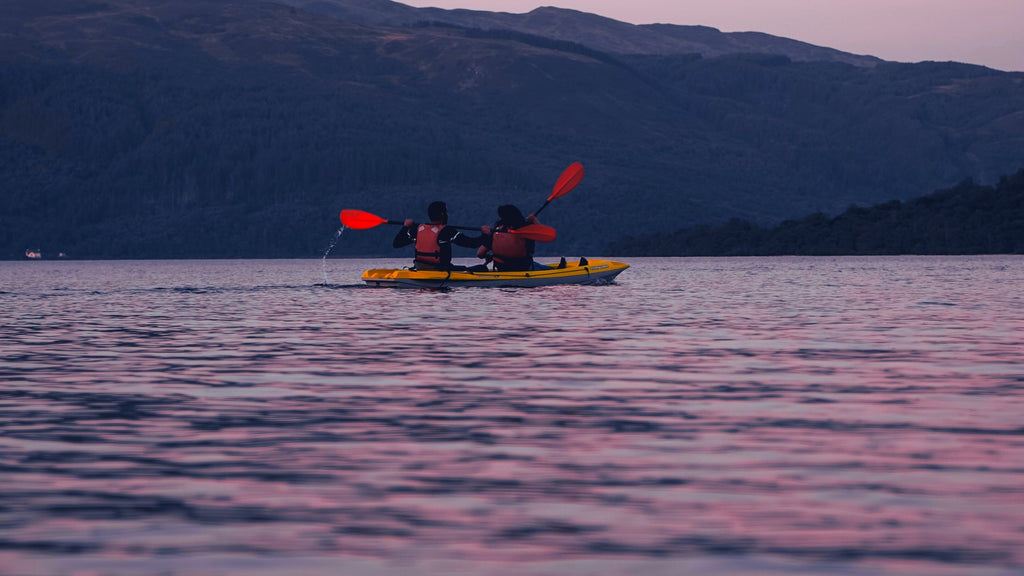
855	416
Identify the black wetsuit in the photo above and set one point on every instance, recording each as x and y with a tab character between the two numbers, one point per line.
445	239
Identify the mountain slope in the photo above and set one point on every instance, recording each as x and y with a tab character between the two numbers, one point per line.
141	128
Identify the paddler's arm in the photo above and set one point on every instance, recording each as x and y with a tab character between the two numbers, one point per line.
405	236
531	245
460	239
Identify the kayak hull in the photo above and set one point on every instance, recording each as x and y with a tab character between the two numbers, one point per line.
594	272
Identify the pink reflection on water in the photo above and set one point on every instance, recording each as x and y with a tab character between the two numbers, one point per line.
801	412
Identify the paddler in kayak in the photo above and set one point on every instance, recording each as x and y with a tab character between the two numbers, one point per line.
511	252
433	241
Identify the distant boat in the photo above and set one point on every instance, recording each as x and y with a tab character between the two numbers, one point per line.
37	254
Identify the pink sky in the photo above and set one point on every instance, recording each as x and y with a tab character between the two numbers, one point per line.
986	32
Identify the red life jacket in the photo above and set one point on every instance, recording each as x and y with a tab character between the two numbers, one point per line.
427	247
507	246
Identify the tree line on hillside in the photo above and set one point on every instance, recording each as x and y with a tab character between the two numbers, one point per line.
113	165
966	219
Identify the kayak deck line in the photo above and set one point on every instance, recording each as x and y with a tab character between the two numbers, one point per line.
535	273
594	272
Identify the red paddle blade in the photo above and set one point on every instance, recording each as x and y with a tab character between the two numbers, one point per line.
567	181
359	220
538	232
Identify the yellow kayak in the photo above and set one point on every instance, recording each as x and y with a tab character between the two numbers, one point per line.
592	272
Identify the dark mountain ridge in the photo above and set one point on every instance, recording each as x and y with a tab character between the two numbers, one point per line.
597	32
237	128
967	219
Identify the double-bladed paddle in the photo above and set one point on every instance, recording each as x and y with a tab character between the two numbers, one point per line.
359	220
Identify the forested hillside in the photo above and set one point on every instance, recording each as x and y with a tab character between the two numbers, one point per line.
966	219
237	128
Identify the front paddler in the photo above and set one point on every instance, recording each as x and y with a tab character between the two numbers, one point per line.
433	241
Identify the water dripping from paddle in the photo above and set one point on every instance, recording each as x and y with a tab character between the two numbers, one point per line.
323	260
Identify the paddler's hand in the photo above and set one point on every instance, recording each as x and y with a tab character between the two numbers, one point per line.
486	230
481	252
532	218
408	223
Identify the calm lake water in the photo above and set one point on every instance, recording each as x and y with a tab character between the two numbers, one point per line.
740	416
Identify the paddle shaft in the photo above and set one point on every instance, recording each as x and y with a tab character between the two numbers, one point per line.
399	223
359	220
537	232
537	211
